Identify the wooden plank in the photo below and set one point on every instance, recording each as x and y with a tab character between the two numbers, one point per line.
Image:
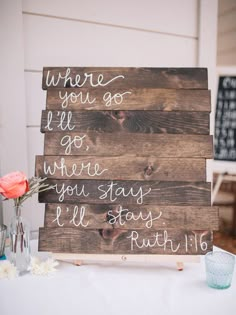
90	216
128	192
99	144
132	99
122	167
117	241
157	259
168	78
126	122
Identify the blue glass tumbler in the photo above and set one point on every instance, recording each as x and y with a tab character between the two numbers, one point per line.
219	269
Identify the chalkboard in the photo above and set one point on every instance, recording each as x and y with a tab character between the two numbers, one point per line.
225	120
125	150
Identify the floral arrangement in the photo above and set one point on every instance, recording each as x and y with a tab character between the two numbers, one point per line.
16	186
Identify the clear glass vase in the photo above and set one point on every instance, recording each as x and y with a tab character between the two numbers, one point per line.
20	242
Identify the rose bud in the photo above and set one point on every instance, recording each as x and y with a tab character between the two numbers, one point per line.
14	185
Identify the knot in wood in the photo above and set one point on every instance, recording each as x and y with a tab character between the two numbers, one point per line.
109	234
120	114
148	170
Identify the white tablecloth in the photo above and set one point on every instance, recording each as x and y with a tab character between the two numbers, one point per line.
115	289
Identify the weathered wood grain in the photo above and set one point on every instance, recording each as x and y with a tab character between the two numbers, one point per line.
132	99
121	167
100	144
128	192
126	122
117	241
101	216
168	78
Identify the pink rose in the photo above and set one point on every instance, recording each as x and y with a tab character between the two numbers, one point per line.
14	185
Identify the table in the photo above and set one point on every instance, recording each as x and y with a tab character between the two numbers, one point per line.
115	289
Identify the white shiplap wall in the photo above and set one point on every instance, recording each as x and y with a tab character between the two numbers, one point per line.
13	139
151	33
170	16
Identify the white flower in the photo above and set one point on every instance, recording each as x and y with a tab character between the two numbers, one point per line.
8	270
42	268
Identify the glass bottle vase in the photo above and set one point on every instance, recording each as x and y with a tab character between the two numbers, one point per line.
20	242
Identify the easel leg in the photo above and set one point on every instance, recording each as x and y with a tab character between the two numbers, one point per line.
180	265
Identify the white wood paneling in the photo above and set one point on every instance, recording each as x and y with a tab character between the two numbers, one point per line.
36	215
35	147
12	104
55	42
35	97
208	39
207	55
169	16
207	47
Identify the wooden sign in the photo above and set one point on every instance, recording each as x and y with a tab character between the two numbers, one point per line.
225	120
125	150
